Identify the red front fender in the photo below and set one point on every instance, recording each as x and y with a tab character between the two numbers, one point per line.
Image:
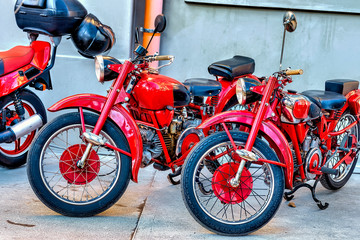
118	114
270	131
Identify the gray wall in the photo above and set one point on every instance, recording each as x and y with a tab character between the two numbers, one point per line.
72	73
325	45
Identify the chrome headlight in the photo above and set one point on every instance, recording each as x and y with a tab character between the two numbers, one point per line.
243	92
99	68
103	73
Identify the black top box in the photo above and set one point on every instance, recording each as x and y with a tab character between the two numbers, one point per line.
50	17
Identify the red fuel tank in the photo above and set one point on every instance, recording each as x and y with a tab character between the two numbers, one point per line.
155	92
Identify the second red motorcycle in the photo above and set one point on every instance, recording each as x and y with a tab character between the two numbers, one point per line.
81	162
233	181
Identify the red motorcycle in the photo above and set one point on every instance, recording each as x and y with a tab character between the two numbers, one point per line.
233	181
81	162
21	112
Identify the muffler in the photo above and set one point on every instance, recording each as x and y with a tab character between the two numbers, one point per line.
21	129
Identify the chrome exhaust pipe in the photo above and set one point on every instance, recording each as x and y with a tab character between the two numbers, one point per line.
21	129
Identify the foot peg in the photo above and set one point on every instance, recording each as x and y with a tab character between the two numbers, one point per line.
330	171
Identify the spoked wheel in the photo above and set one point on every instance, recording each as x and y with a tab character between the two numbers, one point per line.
66	188
214	202
333	182
13	154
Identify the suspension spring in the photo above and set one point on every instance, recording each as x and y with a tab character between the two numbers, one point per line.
214	100
19	106
338	114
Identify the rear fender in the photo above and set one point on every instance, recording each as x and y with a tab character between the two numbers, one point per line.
353	99
118	114
269	131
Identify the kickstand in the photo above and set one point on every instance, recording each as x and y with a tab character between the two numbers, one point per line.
289	195
171	177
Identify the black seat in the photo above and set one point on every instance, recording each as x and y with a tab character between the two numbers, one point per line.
342	86
233	67
326	99
202	87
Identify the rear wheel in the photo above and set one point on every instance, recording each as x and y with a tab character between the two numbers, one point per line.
334	182
64	187
13	154
217	205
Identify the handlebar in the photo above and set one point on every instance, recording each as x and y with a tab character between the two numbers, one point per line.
161	58
294	72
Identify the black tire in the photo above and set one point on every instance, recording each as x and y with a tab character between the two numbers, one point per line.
79	193
204	195
333	182
14	154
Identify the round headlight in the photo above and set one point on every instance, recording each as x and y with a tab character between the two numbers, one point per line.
99	68
103	73
241	91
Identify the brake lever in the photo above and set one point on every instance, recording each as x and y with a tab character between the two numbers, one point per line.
171	60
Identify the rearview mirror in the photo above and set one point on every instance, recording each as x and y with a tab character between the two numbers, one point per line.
289	21
160	23
136	36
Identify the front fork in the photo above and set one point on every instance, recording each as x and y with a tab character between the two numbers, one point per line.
246	154
93	138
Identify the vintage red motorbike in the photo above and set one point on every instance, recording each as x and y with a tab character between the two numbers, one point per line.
233	180
81	162
21	111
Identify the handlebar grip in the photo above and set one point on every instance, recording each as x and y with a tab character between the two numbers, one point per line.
294	72
163	57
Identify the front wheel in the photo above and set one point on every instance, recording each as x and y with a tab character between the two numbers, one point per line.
60	184
217	205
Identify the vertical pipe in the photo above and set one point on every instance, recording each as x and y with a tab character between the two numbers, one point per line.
152	9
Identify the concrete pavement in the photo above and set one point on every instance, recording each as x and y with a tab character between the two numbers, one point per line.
153	209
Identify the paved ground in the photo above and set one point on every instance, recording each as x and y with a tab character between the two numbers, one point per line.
153	209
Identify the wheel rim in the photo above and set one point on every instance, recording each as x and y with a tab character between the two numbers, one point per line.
224	203
344	168
70	184
21	145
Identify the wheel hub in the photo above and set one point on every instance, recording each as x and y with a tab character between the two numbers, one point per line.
221	183
189	142
71	172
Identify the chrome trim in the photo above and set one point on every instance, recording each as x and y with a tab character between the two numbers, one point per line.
247	155
27	126
93	138
99	60
241	91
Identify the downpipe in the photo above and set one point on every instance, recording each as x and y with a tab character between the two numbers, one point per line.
21	129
